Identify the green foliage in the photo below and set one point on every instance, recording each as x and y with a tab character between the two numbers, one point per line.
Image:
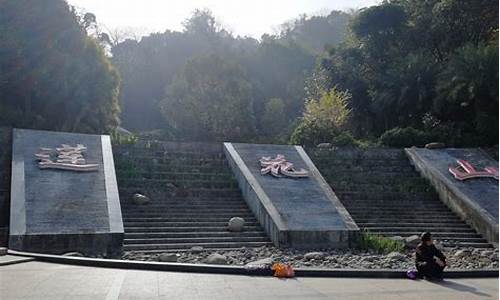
118	138
210	100
380	244
275	65
53	75
404	60
468	91
323	118
405	137
344	139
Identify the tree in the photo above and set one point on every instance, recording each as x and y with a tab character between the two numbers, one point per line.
468	91
323	118
210	100
53	76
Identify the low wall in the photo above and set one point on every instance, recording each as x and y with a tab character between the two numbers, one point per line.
474	200
300	213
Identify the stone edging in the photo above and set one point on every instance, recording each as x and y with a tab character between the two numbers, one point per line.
239	270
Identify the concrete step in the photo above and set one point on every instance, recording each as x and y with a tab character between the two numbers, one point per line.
192	192
185	219
194	240
173	211
414	224
453	219
180	224
202	214
369	187
192	228
395	210
415	215
222	245
145	183
395	205
174	205
174	176
402	229
209	234
384	195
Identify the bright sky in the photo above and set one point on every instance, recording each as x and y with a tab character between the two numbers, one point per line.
248	17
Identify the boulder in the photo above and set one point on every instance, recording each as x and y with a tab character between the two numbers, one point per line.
140	199
412	241
324	145
216	259
74	254
396	256
435	145
314	255
3	251
397	238
236	224
196	249
462	253
168	257
261	263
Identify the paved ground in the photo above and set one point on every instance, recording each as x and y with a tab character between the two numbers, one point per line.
36	280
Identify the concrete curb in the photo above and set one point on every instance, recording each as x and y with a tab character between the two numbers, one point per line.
239	270
18	260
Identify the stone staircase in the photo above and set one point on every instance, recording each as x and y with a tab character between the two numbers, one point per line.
5	161
386	196
193	195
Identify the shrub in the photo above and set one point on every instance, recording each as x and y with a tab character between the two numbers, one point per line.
406	137
379	243
344	139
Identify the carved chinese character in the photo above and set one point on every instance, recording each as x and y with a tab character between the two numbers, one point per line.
279	167
65	157
466	171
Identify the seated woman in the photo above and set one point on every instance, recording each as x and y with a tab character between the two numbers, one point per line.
429	261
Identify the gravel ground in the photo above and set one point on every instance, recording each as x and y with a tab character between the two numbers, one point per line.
463	258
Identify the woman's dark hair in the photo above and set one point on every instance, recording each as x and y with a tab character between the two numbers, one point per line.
426	236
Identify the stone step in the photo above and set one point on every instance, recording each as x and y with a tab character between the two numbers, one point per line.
194	240
148	214
437	235
348	169
145	183
175	175
467	244
395	210
384	195
192	228
197	211
210	249
216	234
139	160
399	230
223	245
192	192
347	153
415	215
412	225
369	187
402	206
174	205
152	167
192	218
331	161
396	220
181	224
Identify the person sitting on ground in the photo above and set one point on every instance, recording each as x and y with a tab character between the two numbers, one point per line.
429	261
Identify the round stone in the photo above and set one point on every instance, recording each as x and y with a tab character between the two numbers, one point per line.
140	199
236	224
